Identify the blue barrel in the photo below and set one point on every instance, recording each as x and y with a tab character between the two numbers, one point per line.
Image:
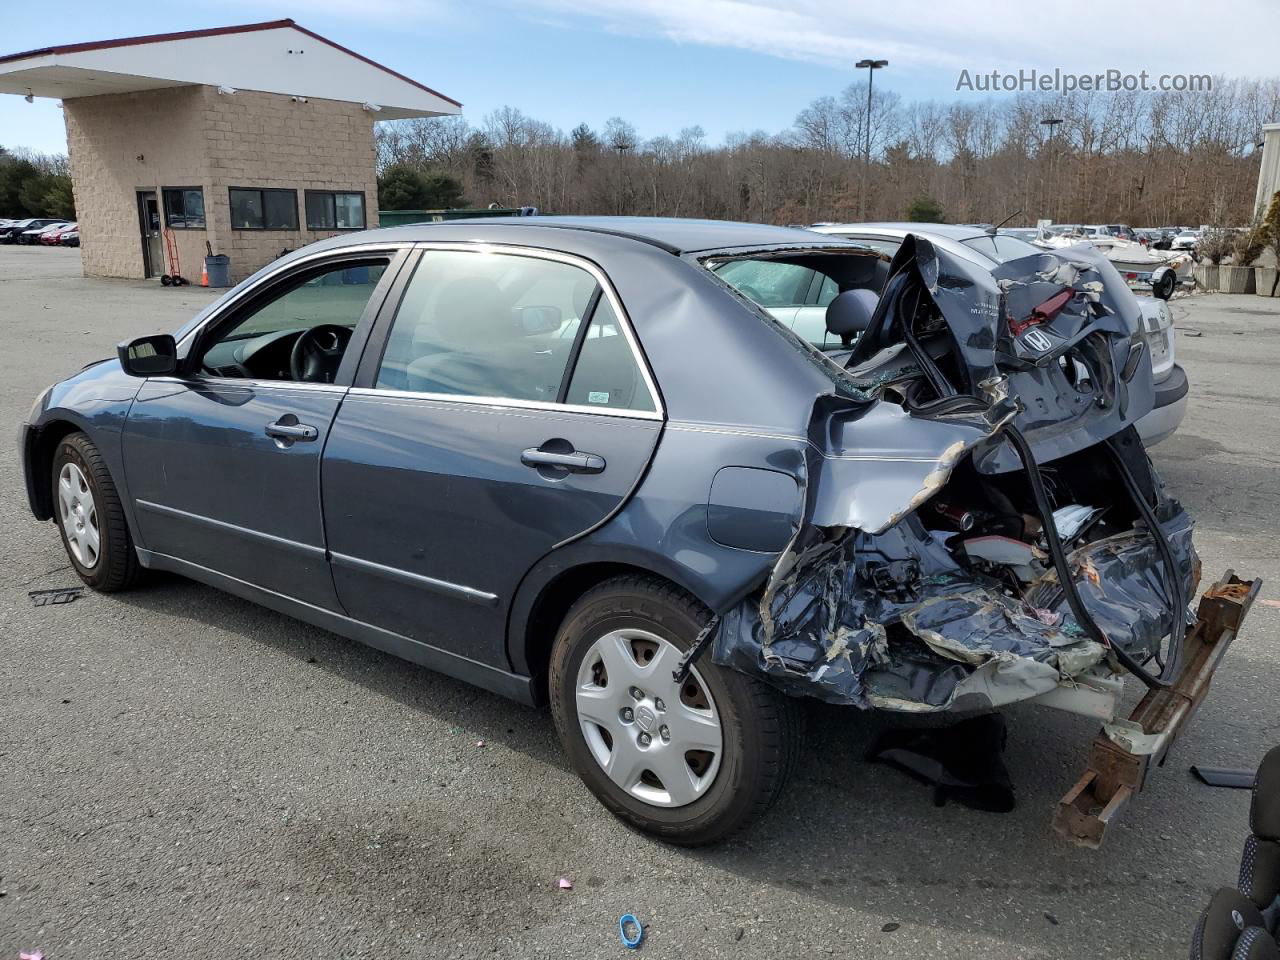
218	267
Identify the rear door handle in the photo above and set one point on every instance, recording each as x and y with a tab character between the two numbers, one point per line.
289	430
574	462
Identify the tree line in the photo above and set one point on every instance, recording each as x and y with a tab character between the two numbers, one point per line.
34	185
1148	159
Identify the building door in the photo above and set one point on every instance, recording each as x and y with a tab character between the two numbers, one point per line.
149	224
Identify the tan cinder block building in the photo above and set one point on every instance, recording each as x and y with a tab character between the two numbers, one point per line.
246	141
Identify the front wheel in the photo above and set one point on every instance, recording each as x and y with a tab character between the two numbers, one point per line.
90	517
690	762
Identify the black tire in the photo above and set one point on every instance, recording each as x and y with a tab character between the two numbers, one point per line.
762	731
1163	288
116	566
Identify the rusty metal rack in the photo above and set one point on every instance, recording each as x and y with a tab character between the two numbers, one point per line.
1124	752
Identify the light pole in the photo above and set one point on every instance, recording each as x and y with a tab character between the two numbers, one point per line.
1051	123
871	66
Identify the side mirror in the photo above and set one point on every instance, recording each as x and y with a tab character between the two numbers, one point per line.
535	320
155	356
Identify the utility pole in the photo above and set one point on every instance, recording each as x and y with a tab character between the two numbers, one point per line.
871	66
1051	123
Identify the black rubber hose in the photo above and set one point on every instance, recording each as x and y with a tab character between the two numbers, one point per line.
1059	557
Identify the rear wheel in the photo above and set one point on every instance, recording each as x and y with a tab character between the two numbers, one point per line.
90	517
690	762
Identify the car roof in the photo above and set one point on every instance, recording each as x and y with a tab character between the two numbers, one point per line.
673	234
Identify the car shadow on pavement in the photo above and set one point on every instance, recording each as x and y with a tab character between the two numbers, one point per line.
477	712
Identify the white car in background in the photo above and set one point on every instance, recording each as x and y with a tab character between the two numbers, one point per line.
1186	240
988	250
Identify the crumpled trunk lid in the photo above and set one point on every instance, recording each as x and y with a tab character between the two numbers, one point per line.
1058	328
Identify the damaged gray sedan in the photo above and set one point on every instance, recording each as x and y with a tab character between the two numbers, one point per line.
593	462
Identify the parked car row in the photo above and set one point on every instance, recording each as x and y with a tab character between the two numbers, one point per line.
42	230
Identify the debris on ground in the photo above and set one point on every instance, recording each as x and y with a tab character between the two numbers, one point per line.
962	762
890	927
32	955
1051	918
480	743
566	883
44	598
630	931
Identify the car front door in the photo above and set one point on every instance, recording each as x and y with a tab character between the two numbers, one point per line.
506	410
223	461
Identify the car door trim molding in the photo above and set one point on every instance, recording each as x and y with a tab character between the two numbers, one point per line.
198	380
296	546
456	590
540	253
383	393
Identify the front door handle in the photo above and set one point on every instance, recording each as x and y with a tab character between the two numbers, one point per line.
573	461
288	430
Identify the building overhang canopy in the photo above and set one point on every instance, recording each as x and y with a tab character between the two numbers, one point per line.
275	57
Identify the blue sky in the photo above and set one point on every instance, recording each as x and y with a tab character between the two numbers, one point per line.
728	65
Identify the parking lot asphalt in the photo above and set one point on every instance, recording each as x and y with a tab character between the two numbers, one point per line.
183	774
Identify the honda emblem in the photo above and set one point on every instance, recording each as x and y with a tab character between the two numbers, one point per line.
1037	341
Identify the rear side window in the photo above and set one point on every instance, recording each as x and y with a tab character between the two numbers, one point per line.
606	373
486	325
508	327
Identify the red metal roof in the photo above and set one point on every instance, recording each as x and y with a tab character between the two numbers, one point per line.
216	32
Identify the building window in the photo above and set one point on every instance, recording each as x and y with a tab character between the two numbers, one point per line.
331	210
254	208
184	208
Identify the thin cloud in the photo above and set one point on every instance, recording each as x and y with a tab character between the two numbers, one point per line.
1086	35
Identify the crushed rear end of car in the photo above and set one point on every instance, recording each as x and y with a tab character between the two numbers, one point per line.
983	525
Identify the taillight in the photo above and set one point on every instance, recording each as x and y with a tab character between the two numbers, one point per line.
1044	313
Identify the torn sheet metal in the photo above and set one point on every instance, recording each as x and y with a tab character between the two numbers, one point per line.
893	622
880	465
1071	371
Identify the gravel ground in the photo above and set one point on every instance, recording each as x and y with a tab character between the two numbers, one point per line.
185	775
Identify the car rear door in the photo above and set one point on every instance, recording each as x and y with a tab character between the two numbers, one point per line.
502	408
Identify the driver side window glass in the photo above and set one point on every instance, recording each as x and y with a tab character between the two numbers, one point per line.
323	307
486	325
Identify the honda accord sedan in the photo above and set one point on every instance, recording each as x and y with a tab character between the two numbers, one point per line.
579	461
